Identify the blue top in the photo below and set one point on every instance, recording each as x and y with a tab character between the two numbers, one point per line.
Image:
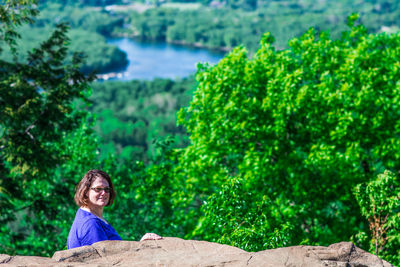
87	229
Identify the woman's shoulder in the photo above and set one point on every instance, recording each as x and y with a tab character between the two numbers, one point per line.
83	217
88	215
83	214
90	222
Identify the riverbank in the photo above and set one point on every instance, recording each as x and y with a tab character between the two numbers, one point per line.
200	45
137	37
140	7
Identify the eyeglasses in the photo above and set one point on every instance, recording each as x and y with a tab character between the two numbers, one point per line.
99	189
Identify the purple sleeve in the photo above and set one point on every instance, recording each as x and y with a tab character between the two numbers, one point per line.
92	232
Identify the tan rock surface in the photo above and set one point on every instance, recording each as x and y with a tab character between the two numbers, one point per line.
178	252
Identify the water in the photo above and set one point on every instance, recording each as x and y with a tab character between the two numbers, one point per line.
150	60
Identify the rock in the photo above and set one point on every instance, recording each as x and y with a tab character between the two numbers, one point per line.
172	251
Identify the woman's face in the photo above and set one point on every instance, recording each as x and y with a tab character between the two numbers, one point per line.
98	193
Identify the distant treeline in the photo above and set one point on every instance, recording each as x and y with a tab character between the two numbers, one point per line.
244	4
85	2
89	29
211	24
224	27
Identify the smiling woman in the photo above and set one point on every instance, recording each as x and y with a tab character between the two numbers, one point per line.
93	193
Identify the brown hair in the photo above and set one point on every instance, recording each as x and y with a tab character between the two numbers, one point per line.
83	187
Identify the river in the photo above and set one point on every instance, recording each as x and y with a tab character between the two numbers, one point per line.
159	60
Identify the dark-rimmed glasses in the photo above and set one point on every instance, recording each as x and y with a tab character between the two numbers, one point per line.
99	189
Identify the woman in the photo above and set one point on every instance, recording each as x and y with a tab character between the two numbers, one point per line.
93	193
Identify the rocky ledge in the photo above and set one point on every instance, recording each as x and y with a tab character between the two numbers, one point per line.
172	251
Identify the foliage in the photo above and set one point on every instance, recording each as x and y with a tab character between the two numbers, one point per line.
236	217
37	113
79	17
302	126
130	115
219	28
153	195
100	58
48	89
85	2
88	30
379	200
227	26
13	13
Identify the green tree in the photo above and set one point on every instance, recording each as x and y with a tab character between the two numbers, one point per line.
153	196
379	200
300	126
38	118
236	217
12	14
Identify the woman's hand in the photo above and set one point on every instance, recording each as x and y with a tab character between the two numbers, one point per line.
150	236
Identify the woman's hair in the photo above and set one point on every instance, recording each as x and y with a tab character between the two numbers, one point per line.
81	198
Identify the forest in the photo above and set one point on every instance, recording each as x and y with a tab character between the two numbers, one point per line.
290	139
